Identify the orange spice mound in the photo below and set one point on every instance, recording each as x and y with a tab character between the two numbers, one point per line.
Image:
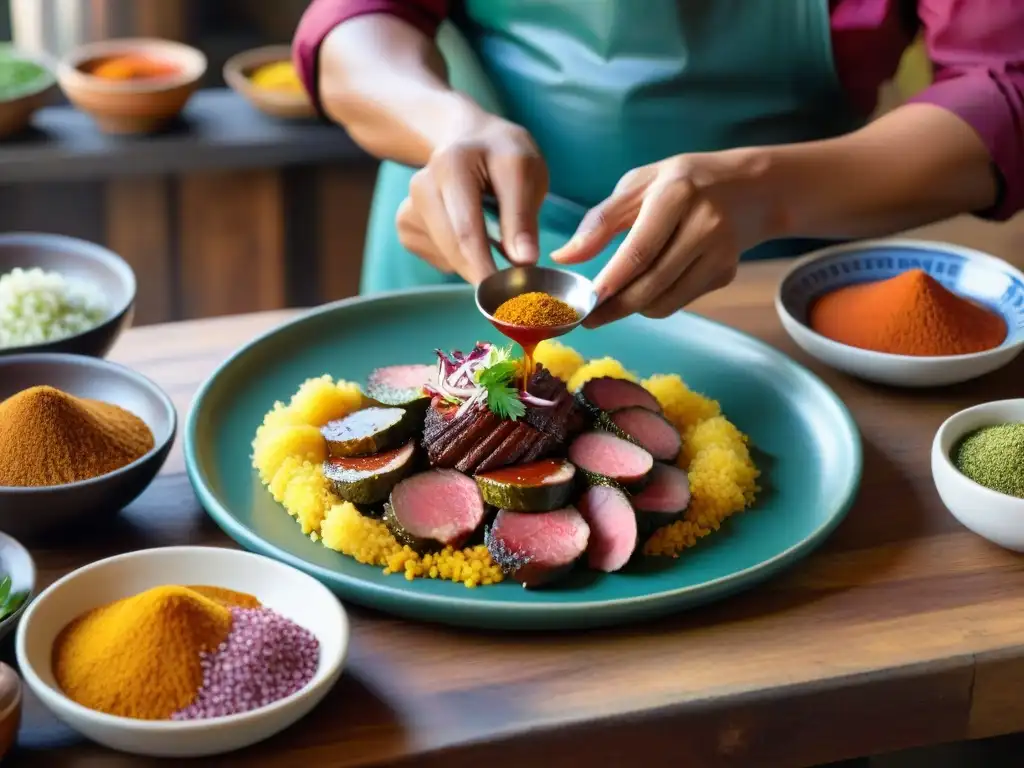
133	67
909	314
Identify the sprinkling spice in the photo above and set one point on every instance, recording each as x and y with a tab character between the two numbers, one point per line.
994	457
132	66
536	310
48	437
182	653
910	314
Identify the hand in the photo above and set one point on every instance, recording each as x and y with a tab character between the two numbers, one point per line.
689	219
442	219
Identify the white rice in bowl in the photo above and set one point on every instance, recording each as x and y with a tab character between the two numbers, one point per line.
37	307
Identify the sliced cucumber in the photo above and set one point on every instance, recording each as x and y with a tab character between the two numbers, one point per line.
368	431
367	480
540	486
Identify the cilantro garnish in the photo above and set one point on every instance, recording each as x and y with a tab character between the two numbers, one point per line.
498	378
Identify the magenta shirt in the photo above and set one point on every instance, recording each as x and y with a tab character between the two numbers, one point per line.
977	47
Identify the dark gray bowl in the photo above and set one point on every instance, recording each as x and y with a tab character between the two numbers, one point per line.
80	260
30	512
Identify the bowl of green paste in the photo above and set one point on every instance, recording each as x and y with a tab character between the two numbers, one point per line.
26	84
978	468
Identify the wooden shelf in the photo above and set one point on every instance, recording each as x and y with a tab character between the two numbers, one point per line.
218	131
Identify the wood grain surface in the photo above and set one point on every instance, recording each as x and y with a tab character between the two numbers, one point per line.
904	629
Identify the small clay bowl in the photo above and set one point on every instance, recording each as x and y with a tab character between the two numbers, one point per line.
239	69
36	511
82	261
10	708
17	109
132	106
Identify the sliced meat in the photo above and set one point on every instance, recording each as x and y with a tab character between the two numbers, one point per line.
613	528
401	377
476	430
435	509
604	456
537	487
370	430
537	548
369	479
663	500
485	447
610	394
647	429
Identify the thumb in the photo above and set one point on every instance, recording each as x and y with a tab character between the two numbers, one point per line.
595	232
520	191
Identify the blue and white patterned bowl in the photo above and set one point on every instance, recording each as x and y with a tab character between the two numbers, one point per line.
977	276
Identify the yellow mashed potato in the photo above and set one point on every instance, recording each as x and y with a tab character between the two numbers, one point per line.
288	451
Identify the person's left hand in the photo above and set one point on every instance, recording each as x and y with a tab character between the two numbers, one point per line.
690	217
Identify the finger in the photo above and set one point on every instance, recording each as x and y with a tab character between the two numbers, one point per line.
414	237
659	217
426	199
605	220
694	236
713	270
462	198
520	183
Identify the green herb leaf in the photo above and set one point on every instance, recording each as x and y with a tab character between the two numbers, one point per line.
502	395
5	589
13	603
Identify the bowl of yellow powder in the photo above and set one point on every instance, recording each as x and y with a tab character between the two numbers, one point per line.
143	634
267	79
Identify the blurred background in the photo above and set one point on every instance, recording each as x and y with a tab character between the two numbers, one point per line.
232	210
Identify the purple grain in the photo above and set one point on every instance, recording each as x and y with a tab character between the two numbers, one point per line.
265	658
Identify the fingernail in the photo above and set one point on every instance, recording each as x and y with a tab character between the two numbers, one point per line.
526	251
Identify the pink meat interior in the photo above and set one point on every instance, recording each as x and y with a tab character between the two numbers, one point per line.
441	503
551	538
606	454
650	430
406	376
612	525
667	491
610	394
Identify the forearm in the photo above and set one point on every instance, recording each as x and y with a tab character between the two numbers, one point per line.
915	165
385	82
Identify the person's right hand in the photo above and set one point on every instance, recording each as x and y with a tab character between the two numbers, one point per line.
442	220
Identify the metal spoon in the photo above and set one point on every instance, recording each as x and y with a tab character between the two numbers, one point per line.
575	290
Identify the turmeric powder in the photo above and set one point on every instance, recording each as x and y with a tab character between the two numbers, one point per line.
910	314
140	657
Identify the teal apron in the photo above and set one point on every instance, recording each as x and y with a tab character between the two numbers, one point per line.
605	86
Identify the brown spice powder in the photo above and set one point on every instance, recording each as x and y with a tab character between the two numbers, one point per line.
536	309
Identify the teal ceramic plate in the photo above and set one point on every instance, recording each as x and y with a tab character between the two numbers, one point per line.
812	467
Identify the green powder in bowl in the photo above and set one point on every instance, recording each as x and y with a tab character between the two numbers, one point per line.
994	457
20	77
38	307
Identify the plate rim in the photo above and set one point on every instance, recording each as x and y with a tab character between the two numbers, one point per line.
242	535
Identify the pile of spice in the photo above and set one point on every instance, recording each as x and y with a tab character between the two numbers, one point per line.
994	457
278	76
183	653
48	437
18	76
535	309
39	306
910	314
132	66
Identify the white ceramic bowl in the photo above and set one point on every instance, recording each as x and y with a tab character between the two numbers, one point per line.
969	273
286	590
993	515
16	562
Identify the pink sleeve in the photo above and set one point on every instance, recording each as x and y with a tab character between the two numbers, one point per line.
322	16
979	76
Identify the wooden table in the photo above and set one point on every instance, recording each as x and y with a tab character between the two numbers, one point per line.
904	629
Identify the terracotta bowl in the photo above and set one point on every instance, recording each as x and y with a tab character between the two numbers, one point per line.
10	708
239	69
16	112
132	106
